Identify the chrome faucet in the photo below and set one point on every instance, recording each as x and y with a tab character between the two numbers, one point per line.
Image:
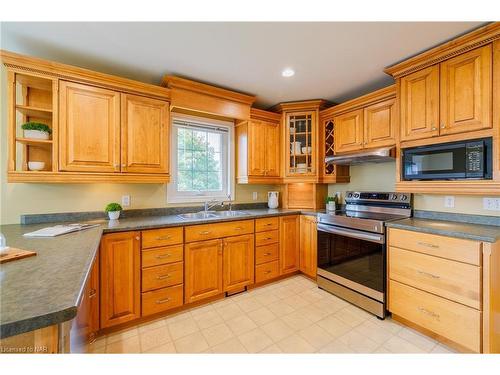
212	203
230	202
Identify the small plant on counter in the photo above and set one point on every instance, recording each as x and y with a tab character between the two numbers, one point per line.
113	210
36	130
331	203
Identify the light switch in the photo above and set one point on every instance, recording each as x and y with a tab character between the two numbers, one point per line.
125	200
491	204
449	201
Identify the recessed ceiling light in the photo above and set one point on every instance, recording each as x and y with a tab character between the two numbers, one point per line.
288	72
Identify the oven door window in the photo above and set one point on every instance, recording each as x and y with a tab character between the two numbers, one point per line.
435	164
359	261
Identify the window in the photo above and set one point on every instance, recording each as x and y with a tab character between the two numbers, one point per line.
201	160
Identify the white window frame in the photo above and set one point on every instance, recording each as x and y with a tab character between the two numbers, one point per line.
227	159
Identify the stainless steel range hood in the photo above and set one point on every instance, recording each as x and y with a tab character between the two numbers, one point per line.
378	155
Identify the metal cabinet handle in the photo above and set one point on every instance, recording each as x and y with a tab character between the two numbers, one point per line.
163	256
428	244
429	274
268	238
267	254
137	238
163	277
163	238
428	312
267	272
205	232
92	293
238	228
160	301
269	224
443	126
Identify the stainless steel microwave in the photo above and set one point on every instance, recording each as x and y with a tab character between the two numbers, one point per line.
471	159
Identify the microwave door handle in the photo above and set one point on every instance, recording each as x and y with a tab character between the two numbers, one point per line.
351	233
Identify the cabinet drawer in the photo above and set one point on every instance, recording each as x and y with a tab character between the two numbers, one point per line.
267	238
161	237
218	230
267	253
162	276
454	321
445	247
456	281
269	223
162	299
162	255
267	271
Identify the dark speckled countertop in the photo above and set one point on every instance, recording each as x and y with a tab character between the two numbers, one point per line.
487	233
46	289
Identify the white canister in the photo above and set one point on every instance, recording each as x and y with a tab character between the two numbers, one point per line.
272	199
295	148
331	206
35	134
113	215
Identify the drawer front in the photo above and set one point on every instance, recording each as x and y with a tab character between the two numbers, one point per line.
218	230
162	299
267	238
266	253
454	321
445	247
162	276
269	223
162	255
456	281
161	237
267	271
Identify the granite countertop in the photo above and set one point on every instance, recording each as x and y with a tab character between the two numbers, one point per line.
478	232
46	289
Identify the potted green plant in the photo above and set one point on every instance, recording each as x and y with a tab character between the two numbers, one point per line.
331	203
113	210
36	130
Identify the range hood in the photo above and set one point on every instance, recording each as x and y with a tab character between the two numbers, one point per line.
378	155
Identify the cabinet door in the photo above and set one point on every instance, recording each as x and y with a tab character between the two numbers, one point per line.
203	270
301	144
308	250
380	124
466	93
256	148
144	134
89	128
272	150
420	104
239	262
120	278
349	131
289	244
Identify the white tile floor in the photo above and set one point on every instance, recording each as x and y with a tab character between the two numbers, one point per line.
290	316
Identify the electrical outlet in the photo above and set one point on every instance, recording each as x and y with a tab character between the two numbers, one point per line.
491	204
255	195
125	200
449	201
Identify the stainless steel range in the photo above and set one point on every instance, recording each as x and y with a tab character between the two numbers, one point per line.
352	247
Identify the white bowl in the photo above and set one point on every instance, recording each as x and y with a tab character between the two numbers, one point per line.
36	165
306	150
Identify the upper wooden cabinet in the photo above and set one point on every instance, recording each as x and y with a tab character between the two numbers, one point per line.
380	124
289	244
120	278
466	92
144	134
258	148
238	262
349	131
89	128
452	97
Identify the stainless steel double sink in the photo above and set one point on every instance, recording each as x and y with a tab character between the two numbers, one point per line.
212	215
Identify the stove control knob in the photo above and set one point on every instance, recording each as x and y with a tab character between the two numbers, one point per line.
394	197
404	197
349	195
356	195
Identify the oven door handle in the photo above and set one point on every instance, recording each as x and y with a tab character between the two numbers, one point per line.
352	233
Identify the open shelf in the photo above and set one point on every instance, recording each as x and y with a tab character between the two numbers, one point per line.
34	111
34	142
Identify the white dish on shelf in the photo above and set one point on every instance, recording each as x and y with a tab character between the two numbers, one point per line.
35	134
306	150
301	168
36	165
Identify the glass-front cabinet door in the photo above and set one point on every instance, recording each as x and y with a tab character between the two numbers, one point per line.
301	144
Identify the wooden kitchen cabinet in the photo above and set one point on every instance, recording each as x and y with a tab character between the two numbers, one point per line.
120	257
349	131
258	148
308	245
144	134
239	262
289	244
466	96
203	270
89	128
380	124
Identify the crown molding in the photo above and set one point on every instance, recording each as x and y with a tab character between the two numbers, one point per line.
260	114
304	105
477	38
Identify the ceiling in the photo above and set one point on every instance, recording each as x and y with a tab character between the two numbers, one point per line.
332	60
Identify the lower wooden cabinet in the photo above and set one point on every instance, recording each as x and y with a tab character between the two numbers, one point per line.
289	244
162	299
86	323
238	262
203	270
308	241
120	278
